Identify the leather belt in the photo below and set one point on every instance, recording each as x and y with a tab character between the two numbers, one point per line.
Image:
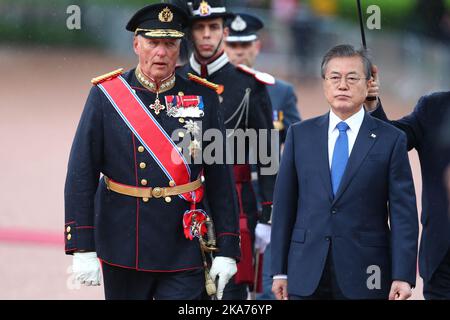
155	192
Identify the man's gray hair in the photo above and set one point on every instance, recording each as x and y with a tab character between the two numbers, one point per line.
346	50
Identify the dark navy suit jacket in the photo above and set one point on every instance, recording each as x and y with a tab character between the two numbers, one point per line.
372	220
423	129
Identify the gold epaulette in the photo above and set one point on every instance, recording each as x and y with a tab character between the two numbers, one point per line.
218	88
107	76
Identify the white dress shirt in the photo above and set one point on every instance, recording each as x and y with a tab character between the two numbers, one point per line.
354	123
211	67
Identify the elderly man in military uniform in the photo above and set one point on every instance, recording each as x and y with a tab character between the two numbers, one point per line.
243	47
133	198
246	105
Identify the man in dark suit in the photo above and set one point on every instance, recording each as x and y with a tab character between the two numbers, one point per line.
423	130
144	217
345	220
242	47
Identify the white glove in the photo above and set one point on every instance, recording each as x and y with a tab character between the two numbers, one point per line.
86	268
225	268
262	236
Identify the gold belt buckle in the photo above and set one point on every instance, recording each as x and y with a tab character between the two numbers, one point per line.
157	192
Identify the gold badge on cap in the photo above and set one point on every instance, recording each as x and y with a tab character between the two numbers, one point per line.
165	15
204	8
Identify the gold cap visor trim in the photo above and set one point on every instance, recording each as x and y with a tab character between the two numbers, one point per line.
160	33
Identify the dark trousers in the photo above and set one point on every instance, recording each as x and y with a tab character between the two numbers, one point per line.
266	277
128	284
438	288
328	288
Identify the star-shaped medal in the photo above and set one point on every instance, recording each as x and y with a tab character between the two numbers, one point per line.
192	127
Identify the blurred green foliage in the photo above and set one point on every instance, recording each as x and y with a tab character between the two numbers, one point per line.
394	13
44	21
63	3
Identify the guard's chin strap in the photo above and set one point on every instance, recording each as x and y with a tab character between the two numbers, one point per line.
218	46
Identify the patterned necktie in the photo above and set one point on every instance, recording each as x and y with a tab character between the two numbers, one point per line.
340	156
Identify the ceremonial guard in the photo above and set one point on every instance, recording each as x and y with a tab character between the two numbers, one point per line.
243	47
133	198
246	105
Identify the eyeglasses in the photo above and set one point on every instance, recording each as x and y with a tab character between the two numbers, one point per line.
350	80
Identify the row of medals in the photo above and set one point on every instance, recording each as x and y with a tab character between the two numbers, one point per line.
191	126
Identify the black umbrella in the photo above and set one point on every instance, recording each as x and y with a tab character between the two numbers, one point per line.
361	24
363	35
